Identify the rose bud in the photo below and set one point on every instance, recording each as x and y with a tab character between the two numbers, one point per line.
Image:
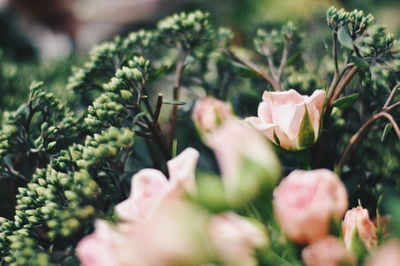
209	113
289	119
173	235
236	238
388	254
248	163
360	233
328	251
306	201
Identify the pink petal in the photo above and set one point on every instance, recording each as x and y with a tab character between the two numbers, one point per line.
147	188
265	128
315	105
285	97
264	112
182	168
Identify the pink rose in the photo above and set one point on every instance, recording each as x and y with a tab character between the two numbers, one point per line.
209	113
150	186
328	251
305	201
292	118
387	255
235	239
173	235
247	161
356	221
107	246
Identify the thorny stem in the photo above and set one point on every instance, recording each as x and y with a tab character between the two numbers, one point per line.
180	67
357	137
256	69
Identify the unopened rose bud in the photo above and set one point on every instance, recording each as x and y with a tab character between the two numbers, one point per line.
248	163
209	113
358	230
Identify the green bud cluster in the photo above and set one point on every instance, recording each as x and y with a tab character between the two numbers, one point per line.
100	62
356	21
186	29
266	43
24	251
378	44
122	96
140	43
58	203
39	129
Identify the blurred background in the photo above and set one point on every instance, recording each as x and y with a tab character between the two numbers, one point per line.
49	29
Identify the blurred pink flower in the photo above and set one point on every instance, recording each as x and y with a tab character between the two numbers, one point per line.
305	201
171	236
328	251
150	186
292	118
209	113
356	221
247	162
235	239
388	254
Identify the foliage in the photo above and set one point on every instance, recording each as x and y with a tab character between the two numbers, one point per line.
68	168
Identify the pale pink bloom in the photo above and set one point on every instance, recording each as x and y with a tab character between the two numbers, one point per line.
209	113
106	247
355	221
247	161
236	238
387	255
305	201
150	186
171	236
328	251
282	114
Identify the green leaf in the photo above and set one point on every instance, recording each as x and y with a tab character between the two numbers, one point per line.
306	132
345	38
172	102
359	62
357	245
386	130
335	227
346	101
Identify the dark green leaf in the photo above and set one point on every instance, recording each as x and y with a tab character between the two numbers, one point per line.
344	38
359	62
346	101
174	102
386	130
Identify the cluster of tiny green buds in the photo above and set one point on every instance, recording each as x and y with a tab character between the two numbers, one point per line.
356	21
266	43
140	42
185	29
101	61
24	251
377	44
